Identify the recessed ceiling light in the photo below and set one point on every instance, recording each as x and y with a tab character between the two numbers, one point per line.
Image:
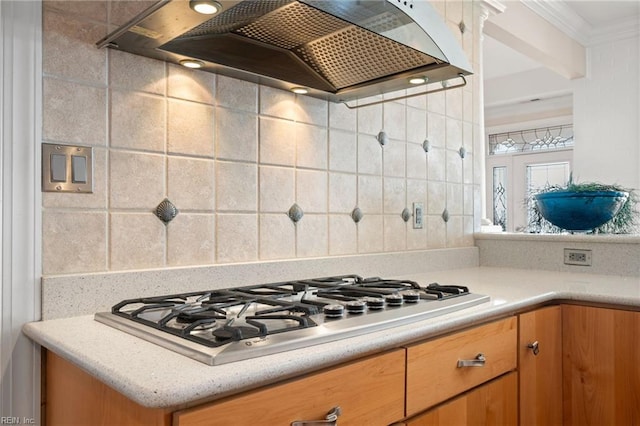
205	7
299	90
191	63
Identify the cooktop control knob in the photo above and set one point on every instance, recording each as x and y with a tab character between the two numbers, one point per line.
333	311
375	303
356	306
411	296
393	299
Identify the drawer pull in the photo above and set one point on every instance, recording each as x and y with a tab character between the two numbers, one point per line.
535	347
330	420
478	361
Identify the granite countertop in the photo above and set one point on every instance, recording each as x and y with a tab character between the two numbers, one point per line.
159	378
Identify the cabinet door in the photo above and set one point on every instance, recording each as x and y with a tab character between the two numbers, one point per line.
369	392
433	373
601	366
540	369
495	403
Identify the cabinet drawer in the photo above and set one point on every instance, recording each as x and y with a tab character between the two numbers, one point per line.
368	392
433	374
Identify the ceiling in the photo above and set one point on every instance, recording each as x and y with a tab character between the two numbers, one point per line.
580	19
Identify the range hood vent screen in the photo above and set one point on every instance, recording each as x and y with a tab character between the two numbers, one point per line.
324	42
341	50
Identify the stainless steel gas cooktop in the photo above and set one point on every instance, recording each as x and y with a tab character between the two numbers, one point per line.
222	326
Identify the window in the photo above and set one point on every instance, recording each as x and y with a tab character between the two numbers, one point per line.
518	165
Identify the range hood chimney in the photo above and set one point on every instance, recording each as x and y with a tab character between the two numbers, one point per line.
340	50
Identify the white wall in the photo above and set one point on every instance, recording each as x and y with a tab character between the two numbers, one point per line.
607	115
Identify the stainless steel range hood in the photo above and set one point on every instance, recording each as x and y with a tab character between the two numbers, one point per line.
339	50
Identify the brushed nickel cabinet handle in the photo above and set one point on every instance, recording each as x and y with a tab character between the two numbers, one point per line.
535	347
478	361
330	420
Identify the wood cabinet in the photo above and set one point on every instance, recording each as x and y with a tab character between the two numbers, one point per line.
369	392
433	374
601	366
492	404
73	397
540	367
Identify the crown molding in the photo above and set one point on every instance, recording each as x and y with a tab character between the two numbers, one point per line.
560	14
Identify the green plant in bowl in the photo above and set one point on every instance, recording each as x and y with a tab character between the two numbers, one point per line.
584	207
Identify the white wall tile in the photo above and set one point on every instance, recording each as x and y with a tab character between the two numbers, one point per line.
395	120
341	117
370	234
312	110
66	119
277	142
394	199
343	150
436	232
342	192
277	237
137	181
236	186
74	242
436	164
343	236
416	125
188	84
191	128
277	189
137	241
416	161
394	157
369	155
311	147
236	135
191	240
312	236
138	121
236	238
278	103
370	194
395	232
191	183
132	72
312	190
237	94
370	119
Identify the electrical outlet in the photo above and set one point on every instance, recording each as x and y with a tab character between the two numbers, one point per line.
577	257
418	210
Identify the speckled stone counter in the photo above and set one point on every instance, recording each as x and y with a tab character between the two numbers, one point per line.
159	378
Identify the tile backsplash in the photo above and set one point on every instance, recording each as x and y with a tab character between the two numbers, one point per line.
234	156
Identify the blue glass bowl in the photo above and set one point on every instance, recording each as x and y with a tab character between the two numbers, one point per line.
580	210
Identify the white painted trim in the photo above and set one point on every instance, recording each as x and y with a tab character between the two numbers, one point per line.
563	17
20	207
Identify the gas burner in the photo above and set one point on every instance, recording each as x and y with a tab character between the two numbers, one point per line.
225	325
